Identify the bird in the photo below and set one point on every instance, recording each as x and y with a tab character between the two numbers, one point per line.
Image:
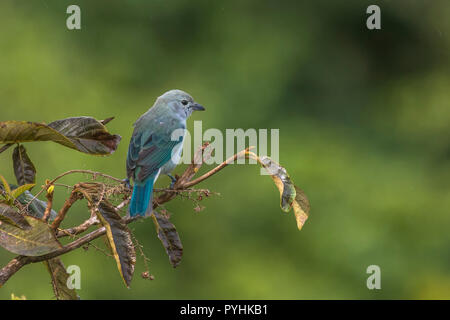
153	150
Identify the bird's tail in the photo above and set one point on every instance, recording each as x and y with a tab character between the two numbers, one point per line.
141	200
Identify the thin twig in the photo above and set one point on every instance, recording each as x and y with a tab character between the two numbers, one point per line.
183	184
93	220
74	196
93	173
218	168
48	209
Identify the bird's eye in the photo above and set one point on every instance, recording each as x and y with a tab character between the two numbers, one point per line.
184	102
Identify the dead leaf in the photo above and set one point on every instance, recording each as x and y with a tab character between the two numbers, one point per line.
59	277
169	237
119	237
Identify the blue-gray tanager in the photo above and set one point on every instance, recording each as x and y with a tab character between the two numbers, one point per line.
152	151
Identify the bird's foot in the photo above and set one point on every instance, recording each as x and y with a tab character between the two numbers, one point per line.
172	184
126	182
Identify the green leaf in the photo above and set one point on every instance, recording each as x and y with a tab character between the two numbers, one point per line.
36	241
119	238
19	190
84	134
59	277
169	237
6	187
23	167
291	196
10	215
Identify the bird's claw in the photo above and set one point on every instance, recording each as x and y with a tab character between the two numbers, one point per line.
126	182
172	184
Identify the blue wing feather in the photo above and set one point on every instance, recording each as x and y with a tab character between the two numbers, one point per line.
150	148
145	160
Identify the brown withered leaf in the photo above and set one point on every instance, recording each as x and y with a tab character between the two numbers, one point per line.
84	134
34	241
301	207
87	134
59	277
23	167
169	237
119	238
291	196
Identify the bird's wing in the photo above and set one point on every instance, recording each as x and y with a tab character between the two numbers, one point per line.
148	151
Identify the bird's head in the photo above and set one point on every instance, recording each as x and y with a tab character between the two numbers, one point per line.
180	102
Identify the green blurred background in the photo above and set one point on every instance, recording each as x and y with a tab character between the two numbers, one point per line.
364	119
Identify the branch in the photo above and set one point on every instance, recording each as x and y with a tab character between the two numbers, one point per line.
218	168
18	262
48	209
182	184
74	196
93	220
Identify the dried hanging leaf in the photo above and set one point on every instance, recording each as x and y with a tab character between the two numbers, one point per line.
301	207
23	167
169	237
59	277
84	134
13	217
119	237
291	196
36	241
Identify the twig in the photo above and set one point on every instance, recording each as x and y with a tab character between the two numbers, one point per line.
123	204
218	168
14	265
93	173
18	262
63	185
141	250
182	184
48	209
93	220
74	196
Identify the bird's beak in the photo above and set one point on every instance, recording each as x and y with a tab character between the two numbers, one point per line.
197	107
